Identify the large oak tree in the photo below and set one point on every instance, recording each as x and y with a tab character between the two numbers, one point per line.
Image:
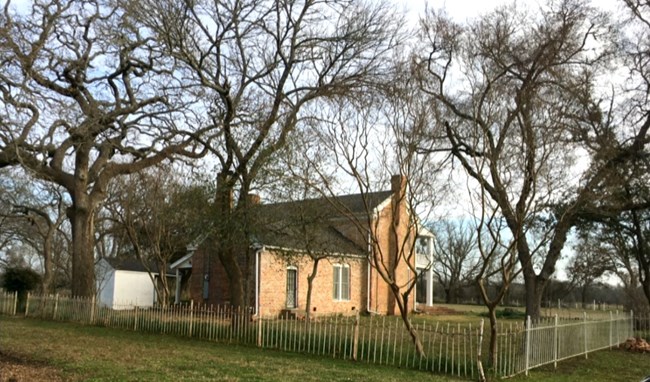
257	66
84	98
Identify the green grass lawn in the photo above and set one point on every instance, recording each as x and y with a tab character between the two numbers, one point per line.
100	354
87	353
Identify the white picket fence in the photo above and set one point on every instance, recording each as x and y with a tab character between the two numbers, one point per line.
522	347
451	349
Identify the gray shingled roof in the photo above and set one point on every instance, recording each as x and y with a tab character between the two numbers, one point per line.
311	224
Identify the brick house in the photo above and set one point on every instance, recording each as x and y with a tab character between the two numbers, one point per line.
288	236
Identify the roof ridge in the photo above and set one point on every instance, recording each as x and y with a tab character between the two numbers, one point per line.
327	198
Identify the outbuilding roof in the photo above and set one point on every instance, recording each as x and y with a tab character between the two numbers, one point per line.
128	264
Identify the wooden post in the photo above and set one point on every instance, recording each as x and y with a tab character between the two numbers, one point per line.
92	310
189	334
135	318
56	306
27	304
355	341
15	302
259	327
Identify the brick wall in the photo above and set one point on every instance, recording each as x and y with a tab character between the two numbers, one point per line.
204	262
273	284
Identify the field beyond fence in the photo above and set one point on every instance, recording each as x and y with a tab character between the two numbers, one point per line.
449	348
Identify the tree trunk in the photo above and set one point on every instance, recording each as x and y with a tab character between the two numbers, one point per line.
83	262
447	295
235	276
534	293
47	262
403	304
310	284
583	295
492	314
226	238
164	285
642	256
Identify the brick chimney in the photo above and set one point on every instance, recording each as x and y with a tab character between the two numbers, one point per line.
398	185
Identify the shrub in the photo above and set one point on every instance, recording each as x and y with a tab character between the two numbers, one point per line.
21	280
508	313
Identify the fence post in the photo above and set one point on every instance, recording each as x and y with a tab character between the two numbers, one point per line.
618	342
135	318
56	306
611	328
15	302
555	342
528	327
631	324
355	342
189	330
584	315
27	304
92	310
259	327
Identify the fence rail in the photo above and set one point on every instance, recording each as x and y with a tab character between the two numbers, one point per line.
453	349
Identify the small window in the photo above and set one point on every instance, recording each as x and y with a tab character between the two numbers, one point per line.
341	282
292	287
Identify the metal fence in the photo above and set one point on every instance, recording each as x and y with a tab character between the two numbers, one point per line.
451	349
550	340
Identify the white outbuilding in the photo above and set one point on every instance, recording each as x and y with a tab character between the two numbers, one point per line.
125	283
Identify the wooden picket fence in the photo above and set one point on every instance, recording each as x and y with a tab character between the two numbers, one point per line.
451	349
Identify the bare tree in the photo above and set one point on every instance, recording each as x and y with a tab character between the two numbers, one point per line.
592	260
34	212
366	144
85	98
498	260
456	257
158	216
257	65
524	104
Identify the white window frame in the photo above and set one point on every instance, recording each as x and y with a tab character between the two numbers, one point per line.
338	285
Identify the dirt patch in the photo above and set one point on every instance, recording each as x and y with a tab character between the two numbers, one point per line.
18	369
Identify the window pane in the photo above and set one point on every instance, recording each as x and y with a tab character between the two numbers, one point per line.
292	300
345	283
335	272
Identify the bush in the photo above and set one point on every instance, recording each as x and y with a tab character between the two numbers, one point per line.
508	313
21	280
